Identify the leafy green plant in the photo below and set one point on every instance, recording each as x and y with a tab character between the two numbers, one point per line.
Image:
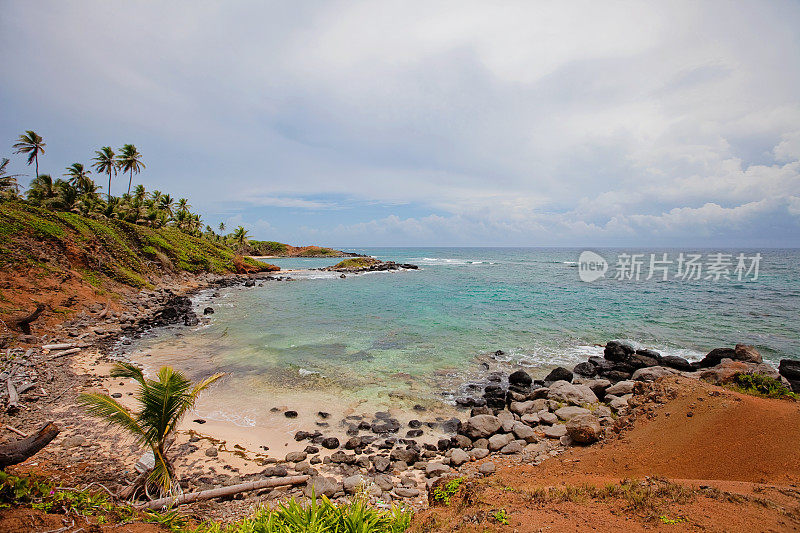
501	516
319	515
163	402
443	493
761	385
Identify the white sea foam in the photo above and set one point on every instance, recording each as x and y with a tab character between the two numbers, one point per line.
450	261
237	419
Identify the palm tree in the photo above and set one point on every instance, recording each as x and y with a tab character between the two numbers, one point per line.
106	163
66	198
130	160
32	144
42	189
8	182
79	177
166	204
221	227
183	204
162	404
240	237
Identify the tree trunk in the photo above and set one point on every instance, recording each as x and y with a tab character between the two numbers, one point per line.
16	452
223	491
130	180
24	324
109	186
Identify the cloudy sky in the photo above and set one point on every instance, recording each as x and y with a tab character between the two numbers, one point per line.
429	123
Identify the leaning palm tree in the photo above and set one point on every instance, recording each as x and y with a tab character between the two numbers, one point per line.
32	144
8	182
106	163
79	177
162	404
130	160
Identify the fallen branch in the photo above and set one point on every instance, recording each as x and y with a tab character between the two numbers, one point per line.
62	346
13	397
221	492
16	452
65	352
24	324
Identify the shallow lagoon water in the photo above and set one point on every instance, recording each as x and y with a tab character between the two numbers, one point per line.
389	339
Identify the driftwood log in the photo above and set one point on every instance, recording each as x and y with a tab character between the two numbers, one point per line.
13	397
12	453
221	492
24	324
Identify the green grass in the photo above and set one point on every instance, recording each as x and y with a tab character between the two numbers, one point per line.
761	385
128	253
356	262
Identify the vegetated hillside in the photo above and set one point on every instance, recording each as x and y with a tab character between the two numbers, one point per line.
67	261
279	249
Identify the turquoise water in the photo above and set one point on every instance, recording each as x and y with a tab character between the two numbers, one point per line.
416	331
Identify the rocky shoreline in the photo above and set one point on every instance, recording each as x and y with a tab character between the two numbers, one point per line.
512	417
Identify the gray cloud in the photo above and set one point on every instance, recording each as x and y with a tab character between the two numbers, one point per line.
517	123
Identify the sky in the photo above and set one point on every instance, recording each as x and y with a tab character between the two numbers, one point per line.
440	123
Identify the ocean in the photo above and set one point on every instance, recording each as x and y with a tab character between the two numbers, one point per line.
420	335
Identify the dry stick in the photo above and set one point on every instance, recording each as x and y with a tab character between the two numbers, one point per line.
13	397
15	430
65	352
223	491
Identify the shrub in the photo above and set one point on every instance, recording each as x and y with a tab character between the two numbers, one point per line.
761	385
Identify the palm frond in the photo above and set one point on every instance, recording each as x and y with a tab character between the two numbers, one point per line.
104	406
128	370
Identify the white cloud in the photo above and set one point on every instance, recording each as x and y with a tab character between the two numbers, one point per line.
515	122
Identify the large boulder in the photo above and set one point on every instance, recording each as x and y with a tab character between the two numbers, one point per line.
481	426
352	484
520	379
724	372
556	431
571	411
643	359
621	388
559	374
618	351
497	442
585	369
562	391
715	357
521	408
408	456
599	386
458	457
678	363
322	486
584	429
747	354
789	369
524	432
651	373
